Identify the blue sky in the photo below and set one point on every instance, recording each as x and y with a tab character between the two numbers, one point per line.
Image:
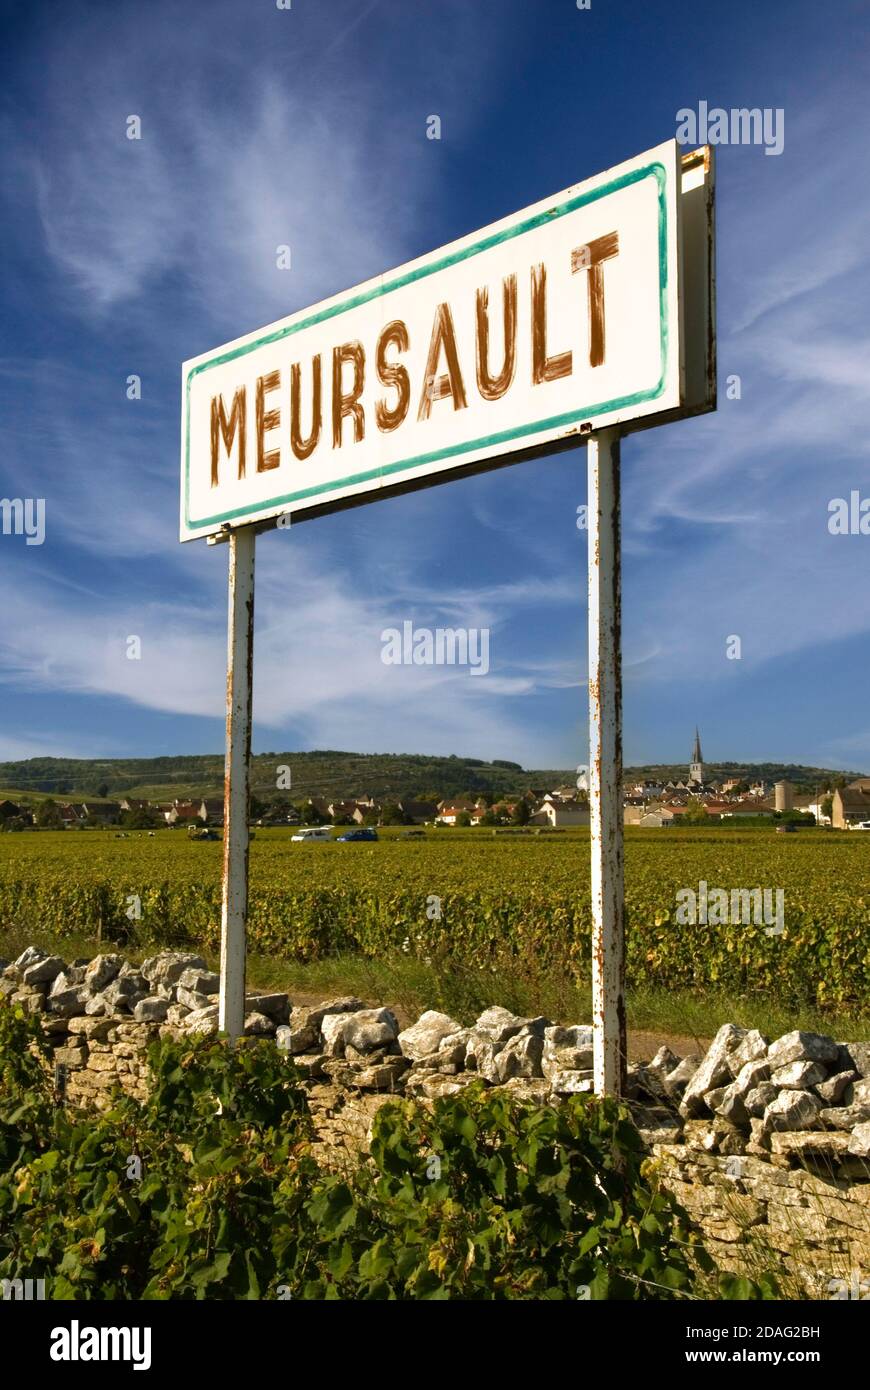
307	127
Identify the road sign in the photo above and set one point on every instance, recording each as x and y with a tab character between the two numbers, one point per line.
587	315
566	317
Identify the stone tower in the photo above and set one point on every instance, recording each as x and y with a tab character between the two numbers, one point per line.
696	767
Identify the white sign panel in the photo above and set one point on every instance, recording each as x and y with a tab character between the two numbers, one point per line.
513	341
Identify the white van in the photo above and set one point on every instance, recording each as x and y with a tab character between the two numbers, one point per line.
314	832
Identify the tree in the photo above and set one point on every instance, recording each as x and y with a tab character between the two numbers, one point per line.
522	813
827	807
463	819
391	815
140	818
48	816
489	818
695	814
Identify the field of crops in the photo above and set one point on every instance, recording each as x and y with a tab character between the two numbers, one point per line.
487	900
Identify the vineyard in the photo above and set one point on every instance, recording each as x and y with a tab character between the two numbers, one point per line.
487	901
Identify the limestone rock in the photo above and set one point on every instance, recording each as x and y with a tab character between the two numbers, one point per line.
759	1098
31	1000
567	1049
480	1055
733	1102
124	992
809	1144
425	1036
68	1002
802	1047
430	1085
364	1029
859	1143
532	1090
43	971
384	1077
274	1006
520	1057
94	1029
71	1056
309	1064
305	1024
192	998
799	1076
199	981
30	956
571	1083
258	1025
857	1056
752	1048
845	1116
665	1061
168	967
714	1071
677	1080
202	1020
101	970
834	1090
500	1024
792	1110
450	1057
152	1009
642	1083
861	1093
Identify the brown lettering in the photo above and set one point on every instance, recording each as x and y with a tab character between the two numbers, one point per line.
591	258
267	420
227	430
393	374
544	368
348	404
304	448
491	387
437	388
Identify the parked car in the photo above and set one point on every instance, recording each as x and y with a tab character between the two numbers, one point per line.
862	825
313	832
365	832
786	829
413	835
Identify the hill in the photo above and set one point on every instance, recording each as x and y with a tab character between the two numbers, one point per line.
332	773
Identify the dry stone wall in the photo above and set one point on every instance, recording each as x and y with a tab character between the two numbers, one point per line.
765	1143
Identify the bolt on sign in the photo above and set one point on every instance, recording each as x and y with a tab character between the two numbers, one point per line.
589	309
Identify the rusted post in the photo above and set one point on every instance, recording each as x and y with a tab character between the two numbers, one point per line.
237	773
605	763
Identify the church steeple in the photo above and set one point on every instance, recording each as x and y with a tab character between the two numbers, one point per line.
696	768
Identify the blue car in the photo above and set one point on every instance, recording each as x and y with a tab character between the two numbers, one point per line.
364	833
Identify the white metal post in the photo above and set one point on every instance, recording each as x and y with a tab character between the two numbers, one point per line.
237	773
605	763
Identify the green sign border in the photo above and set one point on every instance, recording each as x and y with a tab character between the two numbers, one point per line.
656	170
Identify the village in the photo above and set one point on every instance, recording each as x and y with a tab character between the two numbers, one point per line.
696	799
